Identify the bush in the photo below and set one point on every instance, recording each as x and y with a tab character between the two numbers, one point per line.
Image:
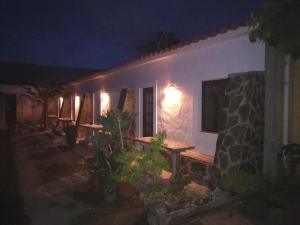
143	167
239	181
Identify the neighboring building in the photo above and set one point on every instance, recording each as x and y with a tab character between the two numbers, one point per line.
15	106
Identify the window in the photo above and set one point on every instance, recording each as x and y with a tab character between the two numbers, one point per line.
213	93
148	112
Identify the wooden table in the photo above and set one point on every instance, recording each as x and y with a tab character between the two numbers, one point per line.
52	116
93	127
64	120
174	147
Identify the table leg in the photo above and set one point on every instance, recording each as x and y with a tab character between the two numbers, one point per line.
174	164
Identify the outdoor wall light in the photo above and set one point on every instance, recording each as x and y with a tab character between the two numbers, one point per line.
61	99
172	98
104	102
77	105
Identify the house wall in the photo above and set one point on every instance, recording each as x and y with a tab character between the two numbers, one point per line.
186	67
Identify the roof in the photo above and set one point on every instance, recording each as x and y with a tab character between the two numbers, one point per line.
29	74
161	53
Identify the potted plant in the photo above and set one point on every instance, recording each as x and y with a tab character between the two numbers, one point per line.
108	183
108	144
71	134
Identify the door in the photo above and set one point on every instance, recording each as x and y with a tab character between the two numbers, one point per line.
148	111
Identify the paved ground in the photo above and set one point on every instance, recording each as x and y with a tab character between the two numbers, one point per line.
56	188
56	191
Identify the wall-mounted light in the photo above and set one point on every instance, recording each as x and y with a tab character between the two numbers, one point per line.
77	105
172	100
104	102
61	99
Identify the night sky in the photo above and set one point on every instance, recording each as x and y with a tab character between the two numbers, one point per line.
100	34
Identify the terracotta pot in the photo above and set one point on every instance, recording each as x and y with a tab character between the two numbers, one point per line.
126	190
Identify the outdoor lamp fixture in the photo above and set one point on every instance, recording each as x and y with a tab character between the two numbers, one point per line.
172	98
77	105
104	102
61	99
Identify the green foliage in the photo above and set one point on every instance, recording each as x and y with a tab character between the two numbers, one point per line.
218	195
138	163
173	201
116	124
277	23
108	144
71	134
239	181
108	180
177	184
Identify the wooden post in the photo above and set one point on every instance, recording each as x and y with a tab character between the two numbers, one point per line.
122	99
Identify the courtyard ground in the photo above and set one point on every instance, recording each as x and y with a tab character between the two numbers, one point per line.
56	190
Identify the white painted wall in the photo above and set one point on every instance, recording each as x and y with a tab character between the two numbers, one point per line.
186	67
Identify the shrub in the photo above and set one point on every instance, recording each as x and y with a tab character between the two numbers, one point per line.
239	181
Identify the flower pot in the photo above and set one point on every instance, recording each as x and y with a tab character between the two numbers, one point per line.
126	190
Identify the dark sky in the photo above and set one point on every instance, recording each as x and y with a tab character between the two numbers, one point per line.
98	33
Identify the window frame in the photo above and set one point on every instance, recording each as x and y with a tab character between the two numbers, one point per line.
219	103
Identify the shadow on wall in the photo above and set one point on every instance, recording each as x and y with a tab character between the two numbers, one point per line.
11	202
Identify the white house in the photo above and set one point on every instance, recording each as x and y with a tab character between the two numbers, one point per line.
168	85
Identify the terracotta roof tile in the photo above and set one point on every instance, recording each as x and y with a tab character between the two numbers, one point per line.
152	55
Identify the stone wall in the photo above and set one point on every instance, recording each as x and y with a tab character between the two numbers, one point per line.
240	140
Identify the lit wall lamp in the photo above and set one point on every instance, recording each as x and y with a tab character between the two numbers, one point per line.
77	105
172	100
104	102
61	99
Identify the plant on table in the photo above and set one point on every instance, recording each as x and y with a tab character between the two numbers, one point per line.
142	168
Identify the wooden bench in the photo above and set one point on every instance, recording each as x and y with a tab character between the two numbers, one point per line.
196	156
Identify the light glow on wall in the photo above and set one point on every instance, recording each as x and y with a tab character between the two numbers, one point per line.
77	105
172	100
61	99
104	102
